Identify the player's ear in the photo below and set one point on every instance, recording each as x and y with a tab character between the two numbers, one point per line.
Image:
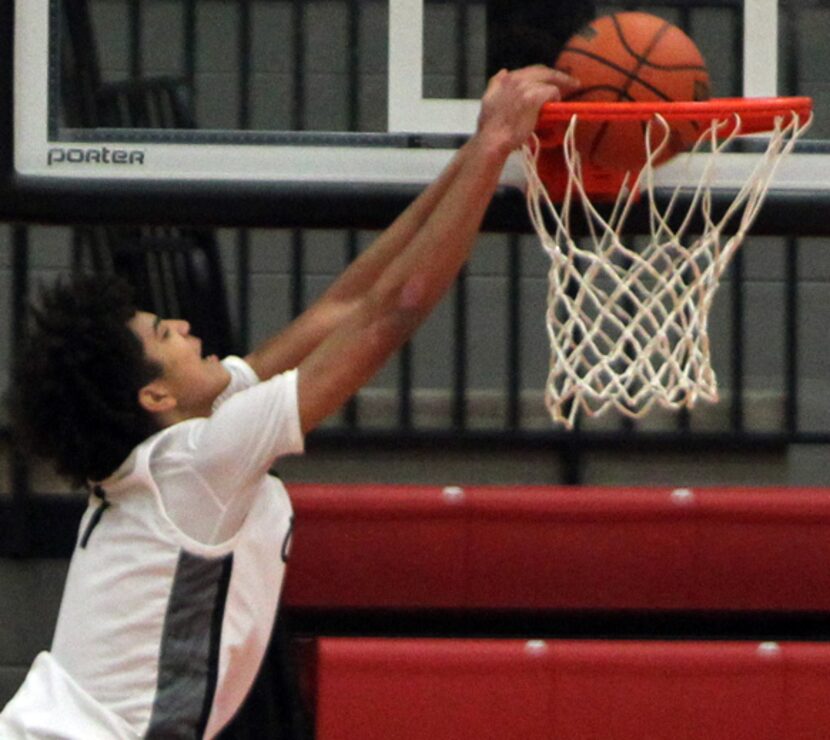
156	398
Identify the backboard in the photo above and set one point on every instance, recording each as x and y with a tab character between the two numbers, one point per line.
232	102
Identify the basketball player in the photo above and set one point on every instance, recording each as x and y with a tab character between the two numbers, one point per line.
174	584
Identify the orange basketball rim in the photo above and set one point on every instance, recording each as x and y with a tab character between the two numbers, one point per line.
628	319
719	117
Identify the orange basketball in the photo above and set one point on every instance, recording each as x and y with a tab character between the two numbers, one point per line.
632	57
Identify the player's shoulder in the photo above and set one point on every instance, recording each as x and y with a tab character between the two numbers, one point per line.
242	376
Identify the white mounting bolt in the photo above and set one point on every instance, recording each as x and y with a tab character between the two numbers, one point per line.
536	647
769	650
683	496
453	494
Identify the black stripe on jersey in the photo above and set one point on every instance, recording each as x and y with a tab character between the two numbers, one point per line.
215	641
190	643
95	519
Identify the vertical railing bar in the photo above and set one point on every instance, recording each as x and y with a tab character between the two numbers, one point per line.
684	21
736	409
353	64
738	46
683	417
570	289
791	316
298	40
514	331
297	272
627	424
573	459
459	399
136	39
244	61
462	35
350	412
77	251
298	124
20	479
243	242
243	286
792	40
737	343
459	403
405	386
189	62
684	420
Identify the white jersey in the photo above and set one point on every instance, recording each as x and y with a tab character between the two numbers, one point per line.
161	634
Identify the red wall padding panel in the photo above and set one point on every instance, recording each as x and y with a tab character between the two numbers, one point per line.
560	548
378	689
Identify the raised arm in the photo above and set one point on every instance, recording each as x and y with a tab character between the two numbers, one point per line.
289	347
431	251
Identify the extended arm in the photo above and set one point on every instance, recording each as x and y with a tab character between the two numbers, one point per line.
337	305
288	348
432	249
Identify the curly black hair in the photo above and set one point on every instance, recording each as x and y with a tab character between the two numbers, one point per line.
74	396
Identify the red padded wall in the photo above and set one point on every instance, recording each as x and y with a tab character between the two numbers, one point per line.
411	547
377	689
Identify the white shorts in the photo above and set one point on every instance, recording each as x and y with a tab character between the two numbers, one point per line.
51	706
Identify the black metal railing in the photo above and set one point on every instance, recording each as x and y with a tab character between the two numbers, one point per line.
512	429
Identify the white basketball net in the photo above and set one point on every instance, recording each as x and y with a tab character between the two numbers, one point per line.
628	327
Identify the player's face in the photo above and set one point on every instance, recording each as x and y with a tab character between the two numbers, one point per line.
193	380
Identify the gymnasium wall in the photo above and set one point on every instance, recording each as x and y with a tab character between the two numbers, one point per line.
275	100
33	587
267	263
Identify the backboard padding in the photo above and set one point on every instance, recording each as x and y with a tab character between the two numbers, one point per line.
386	136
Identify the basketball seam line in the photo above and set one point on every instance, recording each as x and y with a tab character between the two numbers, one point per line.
635	73
630	77
642	59
627	74
620	92
659	67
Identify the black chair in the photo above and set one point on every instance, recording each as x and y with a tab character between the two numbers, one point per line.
176	271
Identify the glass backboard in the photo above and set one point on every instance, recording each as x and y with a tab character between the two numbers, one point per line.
342	94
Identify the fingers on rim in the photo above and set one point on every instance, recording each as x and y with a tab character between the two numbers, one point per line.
540	73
